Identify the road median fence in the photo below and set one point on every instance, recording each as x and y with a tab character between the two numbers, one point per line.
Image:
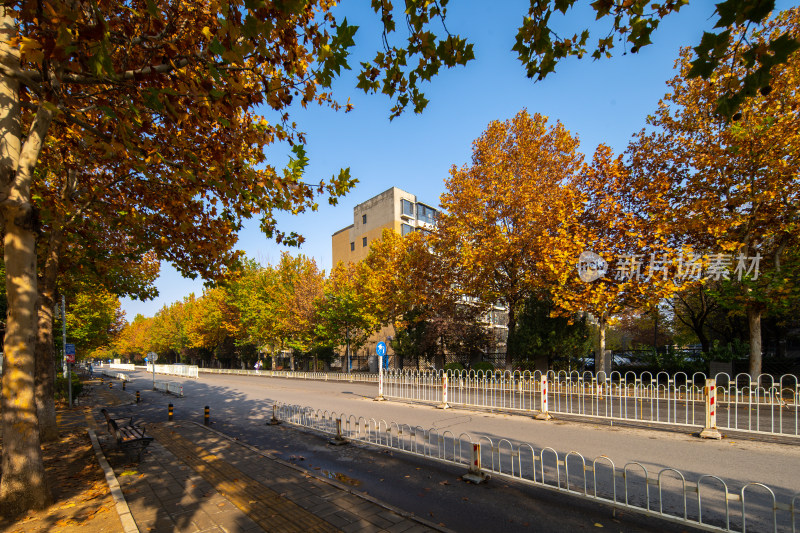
170	387
767	405
706	501
112	374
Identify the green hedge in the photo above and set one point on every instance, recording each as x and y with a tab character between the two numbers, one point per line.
483	365
455	367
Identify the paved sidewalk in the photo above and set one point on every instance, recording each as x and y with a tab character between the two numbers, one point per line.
195	479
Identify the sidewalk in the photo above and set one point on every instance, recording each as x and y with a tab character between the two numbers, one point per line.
195	479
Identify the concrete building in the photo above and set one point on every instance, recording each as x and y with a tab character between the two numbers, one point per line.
395	209
401	212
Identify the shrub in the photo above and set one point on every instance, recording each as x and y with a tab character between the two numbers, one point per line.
61	392
455	367
483	365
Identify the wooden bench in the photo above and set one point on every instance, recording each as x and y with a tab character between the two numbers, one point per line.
128	436
119	421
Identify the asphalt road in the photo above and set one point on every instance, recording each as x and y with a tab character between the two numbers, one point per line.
240	405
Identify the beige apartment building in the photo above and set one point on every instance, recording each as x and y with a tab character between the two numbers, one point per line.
395	209
399	211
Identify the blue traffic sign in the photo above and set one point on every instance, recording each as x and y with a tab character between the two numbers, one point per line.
380	349
69	349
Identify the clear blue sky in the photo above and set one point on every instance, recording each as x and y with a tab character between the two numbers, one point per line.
602	101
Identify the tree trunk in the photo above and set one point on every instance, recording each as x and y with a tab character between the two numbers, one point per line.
23	484
45	372
601	362
45	348
754	320
512	324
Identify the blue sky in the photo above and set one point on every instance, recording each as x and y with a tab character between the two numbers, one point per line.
602	101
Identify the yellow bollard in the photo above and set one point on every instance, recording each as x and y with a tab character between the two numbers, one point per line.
169	413
207	416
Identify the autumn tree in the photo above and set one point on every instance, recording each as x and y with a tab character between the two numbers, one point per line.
417	294
346	312
508	215
729	190
541	46
300	285
146	85
133	342
169	337
619	258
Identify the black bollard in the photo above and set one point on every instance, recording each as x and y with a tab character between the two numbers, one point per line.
169	413
207	416
137	396
123	385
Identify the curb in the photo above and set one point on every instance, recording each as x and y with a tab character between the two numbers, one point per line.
332	482
125	516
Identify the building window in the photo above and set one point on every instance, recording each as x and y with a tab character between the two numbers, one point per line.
405	229
364	219
426	214
364	241
406	208
352	246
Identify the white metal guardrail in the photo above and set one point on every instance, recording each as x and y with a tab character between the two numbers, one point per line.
172	387
766	405
361	377
186	371
708	501
121	366
112	374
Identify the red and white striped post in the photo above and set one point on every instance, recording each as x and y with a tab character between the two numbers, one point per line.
711	431
444	404
544	413
475	474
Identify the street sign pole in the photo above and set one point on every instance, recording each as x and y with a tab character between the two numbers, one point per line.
153	356
380	350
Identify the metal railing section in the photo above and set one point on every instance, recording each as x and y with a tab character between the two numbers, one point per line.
709	501
293	374
112	374
172	387
121	366
186	371
765	405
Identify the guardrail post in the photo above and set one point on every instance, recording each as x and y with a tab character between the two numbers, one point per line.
207	416
274	421
137	396
544	413
444	404
339	439
711	431
169	412
475	474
